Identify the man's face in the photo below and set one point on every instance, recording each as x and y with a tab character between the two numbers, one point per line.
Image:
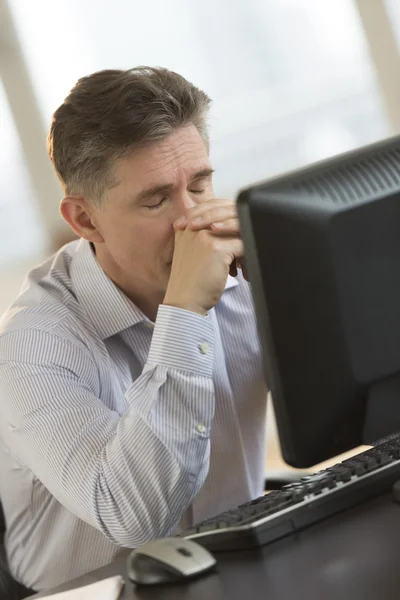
156	185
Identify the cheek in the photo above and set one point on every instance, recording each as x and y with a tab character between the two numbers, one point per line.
153	240
124	239
163	241
140	240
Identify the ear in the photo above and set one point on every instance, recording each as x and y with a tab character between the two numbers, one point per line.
78	213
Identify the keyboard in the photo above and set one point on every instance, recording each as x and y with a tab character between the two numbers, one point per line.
301	504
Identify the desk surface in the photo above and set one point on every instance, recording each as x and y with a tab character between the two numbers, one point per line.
352	556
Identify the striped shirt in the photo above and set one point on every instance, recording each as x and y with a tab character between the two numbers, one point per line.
115	430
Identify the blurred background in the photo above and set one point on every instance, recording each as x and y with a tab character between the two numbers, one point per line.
292	82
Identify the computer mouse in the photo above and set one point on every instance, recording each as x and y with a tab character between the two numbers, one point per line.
168	560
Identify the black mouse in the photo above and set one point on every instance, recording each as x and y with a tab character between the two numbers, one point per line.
168	560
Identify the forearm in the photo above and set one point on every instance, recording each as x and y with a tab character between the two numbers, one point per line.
131	476
154	467
164	438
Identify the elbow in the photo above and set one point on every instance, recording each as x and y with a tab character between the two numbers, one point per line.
136	517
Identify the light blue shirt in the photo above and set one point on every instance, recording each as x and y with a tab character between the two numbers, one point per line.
115	430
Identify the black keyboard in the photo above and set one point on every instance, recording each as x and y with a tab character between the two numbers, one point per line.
298	505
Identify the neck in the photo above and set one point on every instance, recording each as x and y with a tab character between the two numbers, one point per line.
146	299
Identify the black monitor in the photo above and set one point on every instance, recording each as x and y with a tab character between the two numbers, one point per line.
323	254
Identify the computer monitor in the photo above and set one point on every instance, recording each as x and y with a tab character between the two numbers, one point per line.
323	254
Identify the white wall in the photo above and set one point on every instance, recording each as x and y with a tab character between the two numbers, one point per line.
292	82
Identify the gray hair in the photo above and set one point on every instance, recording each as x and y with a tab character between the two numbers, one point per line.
110	113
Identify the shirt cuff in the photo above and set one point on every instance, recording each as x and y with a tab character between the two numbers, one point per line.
183	340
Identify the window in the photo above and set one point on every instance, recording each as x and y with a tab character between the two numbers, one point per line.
21	230
291	81
393	8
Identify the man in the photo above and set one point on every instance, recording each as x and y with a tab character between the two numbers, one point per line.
132	395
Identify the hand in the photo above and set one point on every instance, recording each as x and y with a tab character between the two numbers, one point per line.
220	216
200	267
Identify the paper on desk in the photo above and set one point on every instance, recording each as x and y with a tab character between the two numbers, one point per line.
106	589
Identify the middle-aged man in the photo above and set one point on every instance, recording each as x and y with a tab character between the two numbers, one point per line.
131	390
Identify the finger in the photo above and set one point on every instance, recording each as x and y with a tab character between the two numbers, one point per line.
200	211
217	215
205	205
233	246
228	227
180	224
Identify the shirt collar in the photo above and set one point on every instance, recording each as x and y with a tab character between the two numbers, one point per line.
108	308
231	282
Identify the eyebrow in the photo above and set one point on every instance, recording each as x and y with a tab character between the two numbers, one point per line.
158	189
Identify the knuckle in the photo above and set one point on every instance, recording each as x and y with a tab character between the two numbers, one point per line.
204	235
214	243
215	247
209	240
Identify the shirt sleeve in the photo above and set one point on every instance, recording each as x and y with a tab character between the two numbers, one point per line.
131	476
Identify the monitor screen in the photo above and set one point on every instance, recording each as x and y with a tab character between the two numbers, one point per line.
323	253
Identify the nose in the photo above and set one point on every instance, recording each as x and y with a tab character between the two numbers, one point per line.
185	201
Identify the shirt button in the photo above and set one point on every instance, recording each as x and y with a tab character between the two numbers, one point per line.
203	348
149	324
201	428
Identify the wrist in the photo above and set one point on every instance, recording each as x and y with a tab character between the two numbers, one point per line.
185	305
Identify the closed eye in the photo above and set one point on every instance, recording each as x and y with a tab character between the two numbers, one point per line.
158	205
161	202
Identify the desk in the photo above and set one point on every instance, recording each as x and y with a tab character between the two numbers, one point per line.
351	556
